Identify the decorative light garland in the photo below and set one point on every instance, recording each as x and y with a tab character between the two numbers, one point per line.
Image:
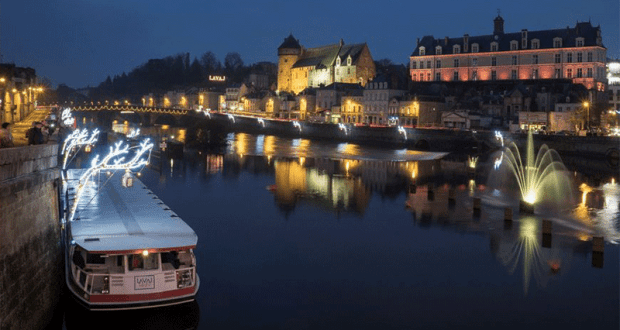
77	138
116	155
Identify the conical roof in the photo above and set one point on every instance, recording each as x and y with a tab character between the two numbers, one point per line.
290	42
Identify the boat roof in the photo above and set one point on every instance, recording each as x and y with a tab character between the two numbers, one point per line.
112	219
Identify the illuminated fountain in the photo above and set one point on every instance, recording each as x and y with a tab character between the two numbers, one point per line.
540	178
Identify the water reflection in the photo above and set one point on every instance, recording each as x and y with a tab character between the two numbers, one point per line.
182	317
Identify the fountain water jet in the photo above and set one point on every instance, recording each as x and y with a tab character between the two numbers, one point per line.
539	178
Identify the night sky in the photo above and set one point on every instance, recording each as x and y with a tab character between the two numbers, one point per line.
81	42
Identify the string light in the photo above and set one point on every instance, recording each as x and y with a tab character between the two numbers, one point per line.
77	139
117	157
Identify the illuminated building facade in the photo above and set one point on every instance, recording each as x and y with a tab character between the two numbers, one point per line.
613	78
574	53
299	68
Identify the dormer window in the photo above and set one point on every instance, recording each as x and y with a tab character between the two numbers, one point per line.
514	45
438	50
474	48
422	51
535	43
338	61
349	60
456	49
557	42
494	46
579	42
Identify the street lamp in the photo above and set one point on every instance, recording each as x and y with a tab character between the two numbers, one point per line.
586	105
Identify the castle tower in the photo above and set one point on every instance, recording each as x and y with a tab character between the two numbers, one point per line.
288	53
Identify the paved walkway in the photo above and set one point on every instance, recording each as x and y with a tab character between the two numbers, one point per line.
19	129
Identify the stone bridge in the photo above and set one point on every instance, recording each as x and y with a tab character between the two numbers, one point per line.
107	114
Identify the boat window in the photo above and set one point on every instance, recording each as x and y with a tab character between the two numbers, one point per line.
172	258
141	262
95	259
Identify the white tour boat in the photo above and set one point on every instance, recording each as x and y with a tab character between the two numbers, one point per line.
125	249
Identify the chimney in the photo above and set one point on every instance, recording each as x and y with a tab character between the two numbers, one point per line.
417	41
524	38
466	43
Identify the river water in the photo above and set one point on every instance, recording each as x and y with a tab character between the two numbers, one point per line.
298	234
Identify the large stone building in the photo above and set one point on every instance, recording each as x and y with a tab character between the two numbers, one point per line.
575	53
299	68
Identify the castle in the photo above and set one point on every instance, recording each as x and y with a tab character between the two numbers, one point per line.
300	68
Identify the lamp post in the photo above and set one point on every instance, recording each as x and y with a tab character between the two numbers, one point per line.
586	105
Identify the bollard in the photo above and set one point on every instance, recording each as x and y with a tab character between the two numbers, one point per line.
546	227
476	203
508	214
598	244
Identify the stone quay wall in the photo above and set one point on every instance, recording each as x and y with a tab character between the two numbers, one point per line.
31	255
421	139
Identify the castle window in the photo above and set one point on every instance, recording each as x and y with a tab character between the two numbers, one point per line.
557	42
474	48
456	49
493	61
579	42
422	51
494	46
438	50
579	57
437	76
474	61
456	76
493	75
514	60
589	72
456	62
535	59
579	73
428	64
558	73
474	75
514	45
569	57
569	73
589	56
513	74
438	64
349	60
337	61
535	74
535	43
558	58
